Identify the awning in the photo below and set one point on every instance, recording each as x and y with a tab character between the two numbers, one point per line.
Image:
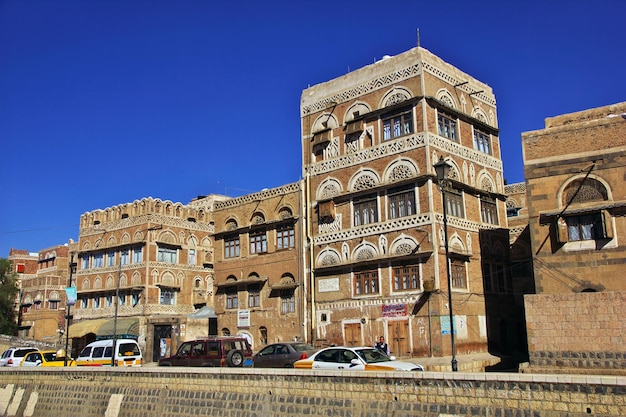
203	313
240	282
84	327
126	326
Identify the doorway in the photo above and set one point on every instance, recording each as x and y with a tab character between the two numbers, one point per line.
399	338
162	343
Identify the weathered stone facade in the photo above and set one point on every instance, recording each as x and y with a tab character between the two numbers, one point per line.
377	259
259	280
575	171
42	279
157	257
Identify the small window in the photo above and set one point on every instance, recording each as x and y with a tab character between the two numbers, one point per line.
137	254
454	203
167	255
397	125
254	296
231	247
232	298
111	258
457	274
287	302
488	210
406	278
192	257
258	242
98	260
447	126
482	142
168	296
125	254
285	237
589	226
401	202
365	210
366	282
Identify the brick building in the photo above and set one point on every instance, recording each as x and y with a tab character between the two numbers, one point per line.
259	280
151	263
575	172
377	260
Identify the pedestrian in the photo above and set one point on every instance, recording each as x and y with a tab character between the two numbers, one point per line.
382	346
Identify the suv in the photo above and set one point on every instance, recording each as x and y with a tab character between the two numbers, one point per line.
213	351
13	356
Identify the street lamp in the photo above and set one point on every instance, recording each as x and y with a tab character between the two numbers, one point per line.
442	168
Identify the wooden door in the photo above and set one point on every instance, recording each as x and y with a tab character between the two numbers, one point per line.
352	334
399	338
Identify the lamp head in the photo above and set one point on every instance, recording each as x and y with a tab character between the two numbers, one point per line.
442	168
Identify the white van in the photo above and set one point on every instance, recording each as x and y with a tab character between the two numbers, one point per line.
99	353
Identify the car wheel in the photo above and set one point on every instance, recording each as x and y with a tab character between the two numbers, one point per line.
234	358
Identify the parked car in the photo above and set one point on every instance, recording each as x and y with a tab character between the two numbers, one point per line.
213	351
98	353
47	358
282	355
355	359
13	356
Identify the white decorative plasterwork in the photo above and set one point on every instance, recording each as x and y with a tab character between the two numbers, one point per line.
382	244
400	169
480	114
364	179
395	96
486	182
328	257
325	121
328	188
261	195
403	245
364	252
357	109
341	235
382	81
444	96
460	83
386	148
470	154
332	227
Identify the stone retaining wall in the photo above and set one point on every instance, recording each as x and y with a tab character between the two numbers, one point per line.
180	392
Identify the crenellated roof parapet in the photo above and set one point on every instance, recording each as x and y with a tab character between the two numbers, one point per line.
129	212
261	195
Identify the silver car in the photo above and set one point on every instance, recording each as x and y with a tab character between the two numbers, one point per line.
13	356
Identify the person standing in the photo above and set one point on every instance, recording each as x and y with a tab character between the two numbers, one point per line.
382	346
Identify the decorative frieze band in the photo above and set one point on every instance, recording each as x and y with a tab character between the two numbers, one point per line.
374	229
262	195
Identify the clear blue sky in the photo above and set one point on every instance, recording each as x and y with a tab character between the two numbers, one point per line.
103	102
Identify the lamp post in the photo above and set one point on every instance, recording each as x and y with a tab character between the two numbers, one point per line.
442	168
68	307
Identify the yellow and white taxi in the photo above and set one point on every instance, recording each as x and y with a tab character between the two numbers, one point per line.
355	359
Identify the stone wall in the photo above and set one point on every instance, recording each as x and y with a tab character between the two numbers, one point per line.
577	333
286	392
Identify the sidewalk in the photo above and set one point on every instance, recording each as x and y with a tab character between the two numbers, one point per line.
475	362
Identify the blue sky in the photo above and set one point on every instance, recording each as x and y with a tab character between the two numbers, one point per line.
103	102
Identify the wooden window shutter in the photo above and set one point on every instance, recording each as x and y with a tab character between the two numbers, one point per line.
326	210
354	127
322	137
561	230
607	224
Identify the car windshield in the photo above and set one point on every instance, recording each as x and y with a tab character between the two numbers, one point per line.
372	355
302	347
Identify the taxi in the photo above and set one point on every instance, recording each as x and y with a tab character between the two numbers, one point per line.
355	359
47	358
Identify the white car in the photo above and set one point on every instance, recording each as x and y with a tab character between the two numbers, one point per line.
355	359
13	356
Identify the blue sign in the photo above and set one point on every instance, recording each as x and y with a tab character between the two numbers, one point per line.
445	325
71	295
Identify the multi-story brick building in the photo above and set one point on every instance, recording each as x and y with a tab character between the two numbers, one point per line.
575	171
261	291
147	265
377	254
